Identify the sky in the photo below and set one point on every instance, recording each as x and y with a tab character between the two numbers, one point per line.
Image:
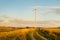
24	9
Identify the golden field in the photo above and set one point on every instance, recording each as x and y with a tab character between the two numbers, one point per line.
13	33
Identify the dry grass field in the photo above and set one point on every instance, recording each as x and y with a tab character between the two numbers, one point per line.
11	33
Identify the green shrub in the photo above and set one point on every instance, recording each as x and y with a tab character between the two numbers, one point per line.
46	34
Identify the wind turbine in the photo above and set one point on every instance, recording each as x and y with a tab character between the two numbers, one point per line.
35	16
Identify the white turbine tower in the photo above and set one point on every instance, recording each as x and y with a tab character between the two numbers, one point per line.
35	12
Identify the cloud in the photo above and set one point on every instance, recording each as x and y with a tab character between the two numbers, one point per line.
49	9
56	10
21	23
4	16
